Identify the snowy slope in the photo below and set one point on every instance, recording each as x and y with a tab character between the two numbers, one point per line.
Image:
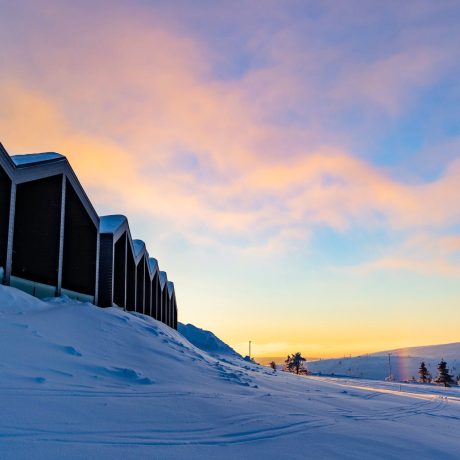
207	341
446	351
79	382
404	362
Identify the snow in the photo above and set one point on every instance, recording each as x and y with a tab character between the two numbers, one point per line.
448	351
206	341
30	158
110	224
80	382
404	363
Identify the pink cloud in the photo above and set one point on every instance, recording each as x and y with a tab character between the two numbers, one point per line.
132	94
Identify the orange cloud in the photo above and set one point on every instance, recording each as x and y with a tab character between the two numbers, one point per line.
138	100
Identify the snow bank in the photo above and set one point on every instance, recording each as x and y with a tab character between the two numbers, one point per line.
15	302
80	382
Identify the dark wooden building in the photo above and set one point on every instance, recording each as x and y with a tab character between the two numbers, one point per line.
52	242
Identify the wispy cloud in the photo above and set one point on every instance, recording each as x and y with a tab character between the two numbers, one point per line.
250	155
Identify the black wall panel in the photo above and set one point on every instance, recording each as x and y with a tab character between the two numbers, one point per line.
80	246
120	271
37	230
5	196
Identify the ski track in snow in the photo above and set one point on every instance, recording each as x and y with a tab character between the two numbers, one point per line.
81	382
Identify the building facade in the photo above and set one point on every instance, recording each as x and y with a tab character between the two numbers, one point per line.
52	242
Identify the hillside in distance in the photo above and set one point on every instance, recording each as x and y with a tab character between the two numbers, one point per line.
404	363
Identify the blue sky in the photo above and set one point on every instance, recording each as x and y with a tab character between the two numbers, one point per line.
294	166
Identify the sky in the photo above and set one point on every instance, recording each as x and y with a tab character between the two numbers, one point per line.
293	165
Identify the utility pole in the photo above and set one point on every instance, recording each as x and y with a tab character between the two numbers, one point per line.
390	378
250	349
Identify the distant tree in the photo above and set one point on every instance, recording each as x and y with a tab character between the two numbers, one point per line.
294	363
443	374
273	365
424	373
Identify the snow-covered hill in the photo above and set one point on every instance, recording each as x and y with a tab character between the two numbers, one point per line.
404	363
207	341
79	382
447	351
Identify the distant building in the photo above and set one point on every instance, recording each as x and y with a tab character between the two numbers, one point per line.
52	242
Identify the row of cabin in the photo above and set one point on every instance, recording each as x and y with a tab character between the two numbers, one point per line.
53	243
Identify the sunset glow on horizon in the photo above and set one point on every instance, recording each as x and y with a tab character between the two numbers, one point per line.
295	165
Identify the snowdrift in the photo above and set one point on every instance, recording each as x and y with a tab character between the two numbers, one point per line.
80	382
72	344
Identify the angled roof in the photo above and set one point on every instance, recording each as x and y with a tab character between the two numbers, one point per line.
163	279
170	288
139	247
139	250
29	167
117	225
153	266
31	159
6	162
110	224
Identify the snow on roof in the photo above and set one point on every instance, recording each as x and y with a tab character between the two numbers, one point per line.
139	245
34	158
163	279
153	264
109	224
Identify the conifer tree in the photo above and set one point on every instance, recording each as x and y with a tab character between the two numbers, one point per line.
443	374
424	374
273	365
294	363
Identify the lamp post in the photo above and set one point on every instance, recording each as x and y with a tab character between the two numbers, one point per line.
390	377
